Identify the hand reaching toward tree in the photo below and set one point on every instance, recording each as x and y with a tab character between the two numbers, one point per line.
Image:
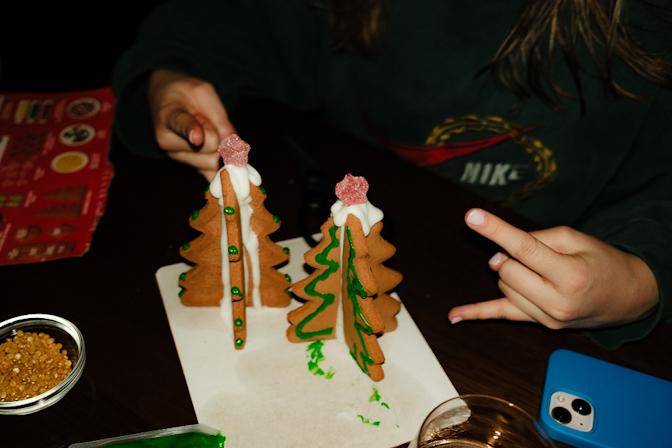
189	119
561	278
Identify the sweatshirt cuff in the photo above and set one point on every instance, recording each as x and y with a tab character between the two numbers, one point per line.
646	239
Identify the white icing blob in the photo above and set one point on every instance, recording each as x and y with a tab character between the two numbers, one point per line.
367	214
225	304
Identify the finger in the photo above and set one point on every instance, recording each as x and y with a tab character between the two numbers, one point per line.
208	174
200	161
214	112
563	239
527	283
172	142
211	137
496	261
518	243
491	309
527	306
184	125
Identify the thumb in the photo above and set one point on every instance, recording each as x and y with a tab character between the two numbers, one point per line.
186	126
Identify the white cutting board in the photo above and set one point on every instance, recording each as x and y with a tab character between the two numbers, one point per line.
265	395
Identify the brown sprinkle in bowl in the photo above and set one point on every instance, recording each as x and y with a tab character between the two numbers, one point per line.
47	340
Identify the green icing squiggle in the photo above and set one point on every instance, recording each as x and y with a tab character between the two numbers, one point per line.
354	289
316	357
367	421
327	298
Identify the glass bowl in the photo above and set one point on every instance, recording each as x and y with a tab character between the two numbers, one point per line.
62	331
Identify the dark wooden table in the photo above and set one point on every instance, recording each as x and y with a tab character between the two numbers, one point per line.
133	380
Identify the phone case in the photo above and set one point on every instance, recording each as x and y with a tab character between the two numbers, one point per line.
631	409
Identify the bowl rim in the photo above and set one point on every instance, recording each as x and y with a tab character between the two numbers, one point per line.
51	396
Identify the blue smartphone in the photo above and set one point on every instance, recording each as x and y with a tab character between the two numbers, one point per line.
590	403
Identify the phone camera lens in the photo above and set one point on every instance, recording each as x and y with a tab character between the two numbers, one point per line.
581	406
561	414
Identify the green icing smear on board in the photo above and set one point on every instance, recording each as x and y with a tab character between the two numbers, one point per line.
354	289
188	440
367	421
375	397
316	357
327	298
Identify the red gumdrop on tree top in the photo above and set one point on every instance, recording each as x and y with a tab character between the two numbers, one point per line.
234	150
352	190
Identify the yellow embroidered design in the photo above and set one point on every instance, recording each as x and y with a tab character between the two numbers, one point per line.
544	161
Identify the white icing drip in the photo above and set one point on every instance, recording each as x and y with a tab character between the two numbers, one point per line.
367	214
225	304
216	186
241	178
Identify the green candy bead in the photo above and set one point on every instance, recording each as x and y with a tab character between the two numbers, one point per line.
195	214
183	276
186	246
276	218
235	291
238	322
229	210
239	342
285	250
182	291
263	190
233	250
288	277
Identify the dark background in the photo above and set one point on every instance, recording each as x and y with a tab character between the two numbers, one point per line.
61	46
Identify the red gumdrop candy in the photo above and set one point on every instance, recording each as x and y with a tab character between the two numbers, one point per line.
234	150
352	190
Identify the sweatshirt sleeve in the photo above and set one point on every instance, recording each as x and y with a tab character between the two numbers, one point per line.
257	48
634	213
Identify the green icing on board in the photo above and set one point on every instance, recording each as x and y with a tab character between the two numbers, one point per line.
188	440
316	357
355	289
375	395
367	421
375	398
327	298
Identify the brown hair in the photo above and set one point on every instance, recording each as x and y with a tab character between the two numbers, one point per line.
544	28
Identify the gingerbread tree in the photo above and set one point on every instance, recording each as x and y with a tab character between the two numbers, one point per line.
346	296
234	258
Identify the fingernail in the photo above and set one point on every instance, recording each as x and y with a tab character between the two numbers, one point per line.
497	259
191	136
476	217
456	319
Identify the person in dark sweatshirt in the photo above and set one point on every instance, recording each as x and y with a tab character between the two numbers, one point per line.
560	109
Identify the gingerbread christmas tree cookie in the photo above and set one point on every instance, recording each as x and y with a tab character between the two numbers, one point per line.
347	294
234	259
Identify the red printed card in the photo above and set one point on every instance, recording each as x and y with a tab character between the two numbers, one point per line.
54	172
